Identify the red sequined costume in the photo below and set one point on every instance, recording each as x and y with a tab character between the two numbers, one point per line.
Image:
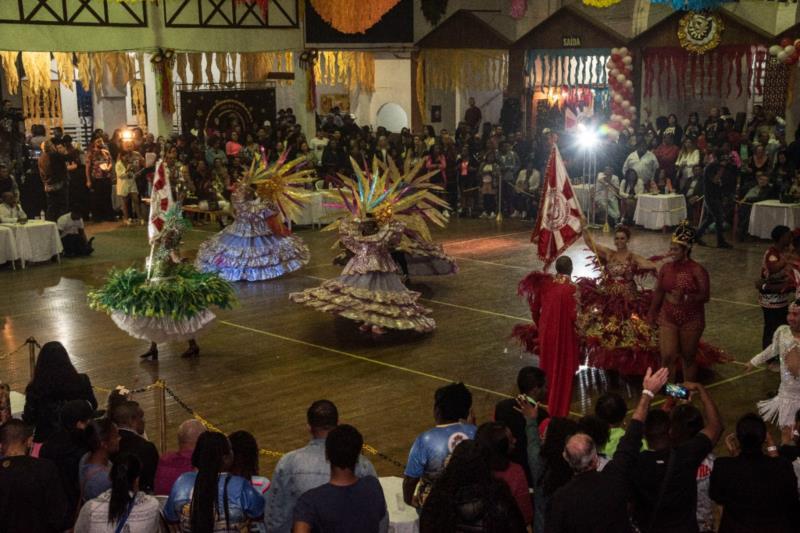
692	279
552	300
612	318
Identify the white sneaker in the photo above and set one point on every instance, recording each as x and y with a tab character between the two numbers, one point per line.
516	214
491	215
484	215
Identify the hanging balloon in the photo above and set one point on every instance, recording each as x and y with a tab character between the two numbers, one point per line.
614	73
627	60
621	78
796	43
614	51
623	51
789	49
785	42
632	110
628	84
775	49
783	56
792	60
626	122
618	98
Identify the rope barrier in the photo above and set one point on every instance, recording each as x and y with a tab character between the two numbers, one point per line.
161	384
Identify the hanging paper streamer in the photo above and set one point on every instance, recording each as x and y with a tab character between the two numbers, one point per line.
620	69
163	62
692	5
356	70
518	8
601	3
8	60
542	68
465	69
352	16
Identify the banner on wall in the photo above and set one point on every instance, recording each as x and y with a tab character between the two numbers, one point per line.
222	112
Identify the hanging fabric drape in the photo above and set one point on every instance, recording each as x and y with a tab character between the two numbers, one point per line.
570	68
356	70
726	71
465	69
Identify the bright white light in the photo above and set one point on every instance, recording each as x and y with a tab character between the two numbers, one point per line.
587	139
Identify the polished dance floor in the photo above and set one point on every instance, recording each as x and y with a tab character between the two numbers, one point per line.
266	360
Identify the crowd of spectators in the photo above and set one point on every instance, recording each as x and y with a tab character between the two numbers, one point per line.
69	466
722	161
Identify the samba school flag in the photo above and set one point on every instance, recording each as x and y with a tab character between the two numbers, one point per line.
559	222
160	202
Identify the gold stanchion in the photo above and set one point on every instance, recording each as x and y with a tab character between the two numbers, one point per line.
32	344
161	414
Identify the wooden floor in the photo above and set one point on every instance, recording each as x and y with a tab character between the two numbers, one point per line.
268	359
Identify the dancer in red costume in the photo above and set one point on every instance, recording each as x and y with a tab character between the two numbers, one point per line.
679	304
553	304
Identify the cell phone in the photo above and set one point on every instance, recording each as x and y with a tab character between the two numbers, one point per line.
676	391
528	399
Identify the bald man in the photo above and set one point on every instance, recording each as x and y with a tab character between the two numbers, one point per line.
173	464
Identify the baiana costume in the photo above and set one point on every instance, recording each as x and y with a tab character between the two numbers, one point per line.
553	303
169	300
376	208
782	407
259	245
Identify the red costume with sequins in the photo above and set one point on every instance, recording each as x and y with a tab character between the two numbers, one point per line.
612	319
692	278
552	300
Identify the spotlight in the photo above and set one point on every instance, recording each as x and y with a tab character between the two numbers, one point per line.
587	139
126	135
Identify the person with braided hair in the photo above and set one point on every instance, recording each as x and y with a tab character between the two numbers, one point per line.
678	304
210	499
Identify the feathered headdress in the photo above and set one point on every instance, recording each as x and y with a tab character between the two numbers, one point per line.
282	183
386	194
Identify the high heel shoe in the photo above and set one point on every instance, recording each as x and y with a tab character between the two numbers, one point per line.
191	352
150	354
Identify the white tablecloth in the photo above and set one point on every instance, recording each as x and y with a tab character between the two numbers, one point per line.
38	240
764	216
654	211
584	195
402	518
8	245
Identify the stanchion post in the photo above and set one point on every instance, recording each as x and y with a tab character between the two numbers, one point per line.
31	342
161	413
499	217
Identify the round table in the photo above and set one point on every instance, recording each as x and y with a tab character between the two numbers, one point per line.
764	216
402	518
657	211
8	246
37	240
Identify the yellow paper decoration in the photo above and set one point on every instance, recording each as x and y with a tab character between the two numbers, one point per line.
37	69
10	73
419	88
353	69
352	16
42	105
65	68
601	3
84	70
196	67
465	69
138	102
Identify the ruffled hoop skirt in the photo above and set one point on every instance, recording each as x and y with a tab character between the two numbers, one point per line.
239	253
163	329
429	259
375	298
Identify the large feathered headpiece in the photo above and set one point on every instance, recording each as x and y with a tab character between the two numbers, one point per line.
385	194
685	234
282	183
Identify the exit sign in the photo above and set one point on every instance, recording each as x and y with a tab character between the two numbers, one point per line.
571	41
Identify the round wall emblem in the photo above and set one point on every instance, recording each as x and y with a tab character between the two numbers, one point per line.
700	32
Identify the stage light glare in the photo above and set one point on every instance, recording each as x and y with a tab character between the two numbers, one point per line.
126	135
587	139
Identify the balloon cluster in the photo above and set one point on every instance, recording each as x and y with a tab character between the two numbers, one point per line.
788	52
620	67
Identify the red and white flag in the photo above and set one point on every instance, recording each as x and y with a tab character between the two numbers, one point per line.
559	222
160	202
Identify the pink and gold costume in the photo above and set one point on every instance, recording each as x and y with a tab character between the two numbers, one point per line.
370	290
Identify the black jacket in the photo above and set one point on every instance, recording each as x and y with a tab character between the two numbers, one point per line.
43	411
134	444
758	493
65	449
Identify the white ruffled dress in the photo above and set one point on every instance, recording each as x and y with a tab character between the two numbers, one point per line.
784	405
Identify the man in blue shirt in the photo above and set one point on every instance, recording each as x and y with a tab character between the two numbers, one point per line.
347	502
304	469
426	460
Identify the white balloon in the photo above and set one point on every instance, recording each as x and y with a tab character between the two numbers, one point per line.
609	64
621	78
626	122
627	60
623	51
625	105
632	110
618	98
614	73
629	84
782	55
775	49
789	49
614	51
